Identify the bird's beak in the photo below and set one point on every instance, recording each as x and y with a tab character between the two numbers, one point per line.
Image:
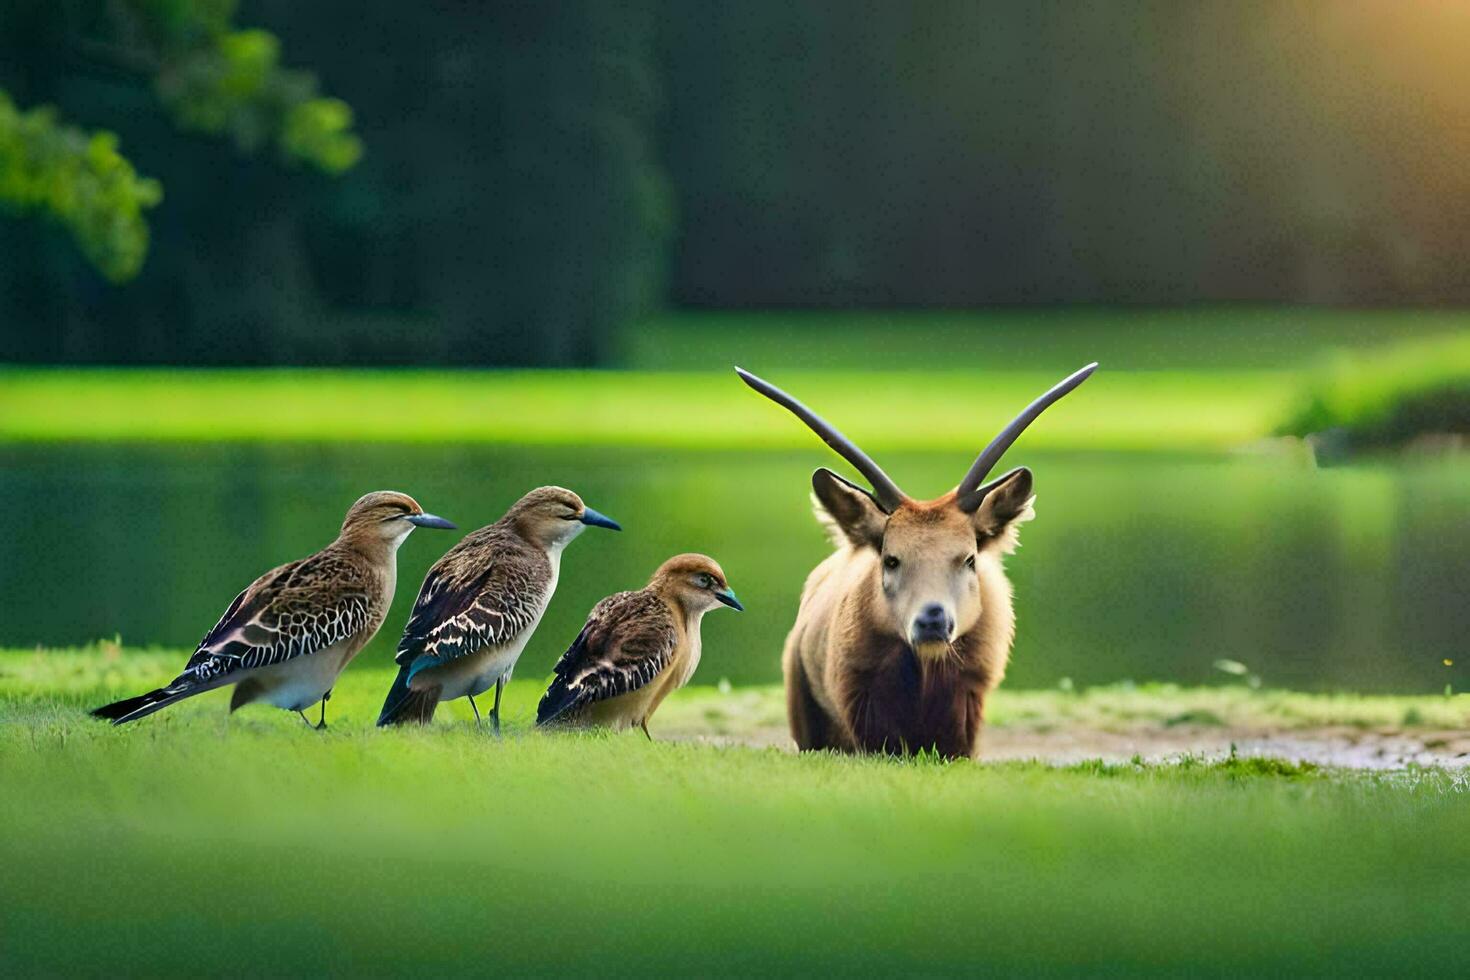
430	520
592	517
728	598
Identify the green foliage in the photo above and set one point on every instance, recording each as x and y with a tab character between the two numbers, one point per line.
514	210
81	181
212	79
230	83
1389	396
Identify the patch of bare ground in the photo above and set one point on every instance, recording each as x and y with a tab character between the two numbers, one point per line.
1154	724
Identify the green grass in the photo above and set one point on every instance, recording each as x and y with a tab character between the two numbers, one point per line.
1391	395
1193	380
197	843
106	671
939	410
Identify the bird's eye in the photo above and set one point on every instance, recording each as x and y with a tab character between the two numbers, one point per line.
705	581
970	562
890	562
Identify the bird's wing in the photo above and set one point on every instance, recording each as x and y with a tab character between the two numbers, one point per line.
291	611
485	594
628	640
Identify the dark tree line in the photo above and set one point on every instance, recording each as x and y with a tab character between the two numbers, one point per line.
862	152
534	177
509	207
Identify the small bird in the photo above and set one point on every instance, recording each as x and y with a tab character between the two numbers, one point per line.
636	648
480	604
287	637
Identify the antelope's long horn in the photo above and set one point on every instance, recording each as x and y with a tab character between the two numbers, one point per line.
970	493
884	489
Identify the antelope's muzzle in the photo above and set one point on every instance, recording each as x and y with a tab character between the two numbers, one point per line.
934	624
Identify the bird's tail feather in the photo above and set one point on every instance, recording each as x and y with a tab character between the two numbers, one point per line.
558	705
131	709
408	707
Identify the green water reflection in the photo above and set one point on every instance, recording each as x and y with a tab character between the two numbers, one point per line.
1136	568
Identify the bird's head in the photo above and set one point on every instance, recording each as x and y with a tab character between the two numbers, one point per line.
552	516
387	516
695	582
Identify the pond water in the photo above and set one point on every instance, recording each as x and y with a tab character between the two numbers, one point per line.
1144	568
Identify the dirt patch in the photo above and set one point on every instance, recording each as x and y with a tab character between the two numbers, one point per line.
1329	746
1340	745
1154	722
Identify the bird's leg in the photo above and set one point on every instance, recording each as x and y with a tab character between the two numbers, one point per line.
495	711
644	725
323	723
305	720
475	708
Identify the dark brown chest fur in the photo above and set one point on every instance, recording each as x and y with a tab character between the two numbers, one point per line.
897	702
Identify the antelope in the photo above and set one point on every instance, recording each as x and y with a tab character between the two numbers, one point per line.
905	629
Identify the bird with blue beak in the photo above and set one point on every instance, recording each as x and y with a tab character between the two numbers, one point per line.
480	604
288	636
637	648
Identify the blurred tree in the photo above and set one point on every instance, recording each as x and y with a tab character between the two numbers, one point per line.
512	209
81	181
517	204
212	79
975	152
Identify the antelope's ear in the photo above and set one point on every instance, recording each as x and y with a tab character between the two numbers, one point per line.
1004	509
849	510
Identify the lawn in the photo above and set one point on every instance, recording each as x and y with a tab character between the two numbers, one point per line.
196	842
1190	380
940	410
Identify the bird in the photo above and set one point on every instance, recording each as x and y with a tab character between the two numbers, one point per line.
636	648
481	602
288	636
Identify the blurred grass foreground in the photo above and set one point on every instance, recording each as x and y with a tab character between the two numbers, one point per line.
197	842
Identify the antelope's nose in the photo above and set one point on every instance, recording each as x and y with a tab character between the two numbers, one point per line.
933	624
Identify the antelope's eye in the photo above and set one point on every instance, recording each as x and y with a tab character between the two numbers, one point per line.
890	562
970	563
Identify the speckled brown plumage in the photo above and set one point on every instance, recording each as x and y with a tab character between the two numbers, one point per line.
627	641
479	605
488	588
291	611
327	605
636	647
